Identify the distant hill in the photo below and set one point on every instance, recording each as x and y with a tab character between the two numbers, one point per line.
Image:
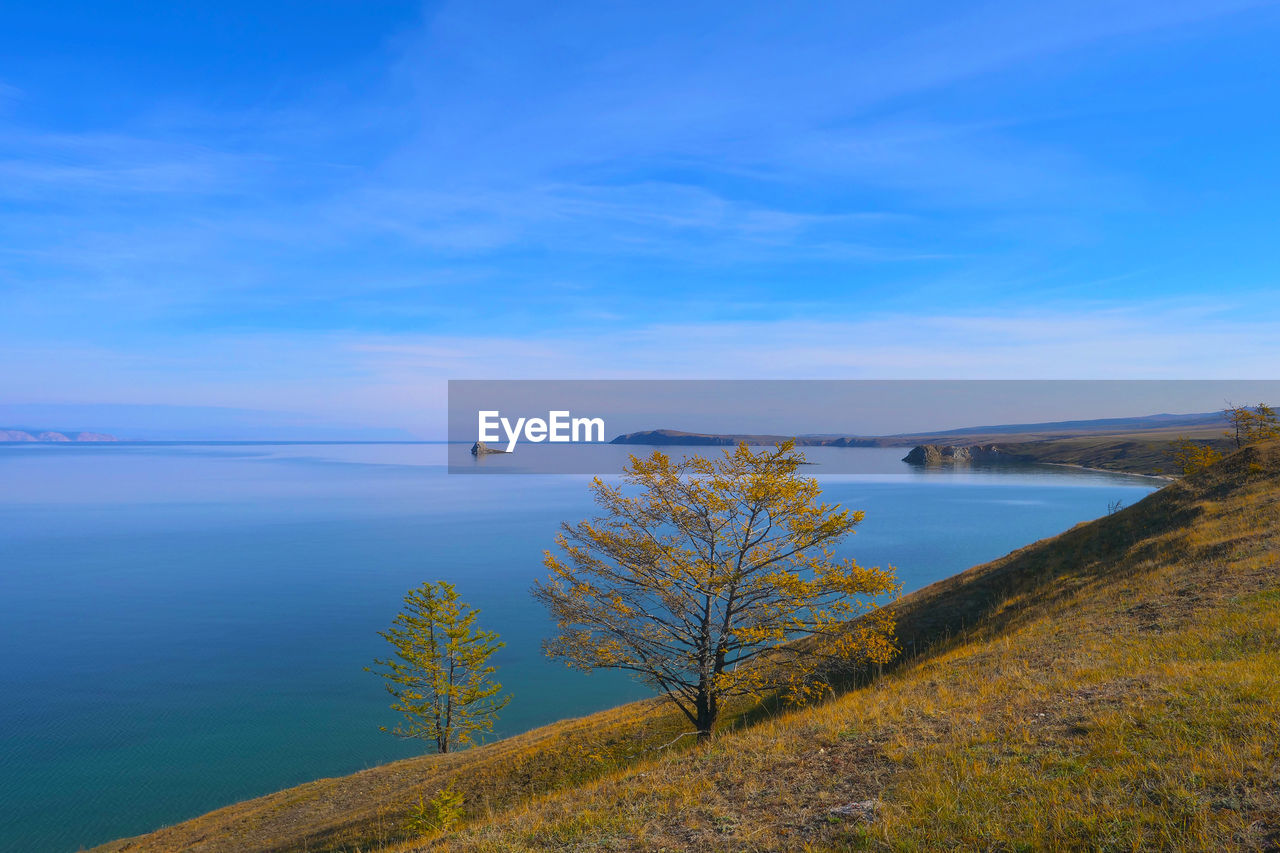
699	439
1102	425
146	422
10	436
1110	688
1137	445
1196	423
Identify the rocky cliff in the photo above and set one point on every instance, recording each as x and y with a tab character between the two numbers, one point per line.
939	454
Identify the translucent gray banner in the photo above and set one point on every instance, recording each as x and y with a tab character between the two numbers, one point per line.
880	427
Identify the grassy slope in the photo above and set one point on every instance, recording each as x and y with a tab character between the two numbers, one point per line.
1134	450
1113	687
1117	688
366	809
1139	453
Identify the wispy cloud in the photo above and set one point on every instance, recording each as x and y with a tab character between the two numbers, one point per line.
399	380
588	190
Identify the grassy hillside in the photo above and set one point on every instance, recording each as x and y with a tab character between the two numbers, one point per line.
367	809
1142	453
1146	451
1114	687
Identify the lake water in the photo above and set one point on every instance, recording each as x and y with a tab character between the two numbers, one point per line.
182	627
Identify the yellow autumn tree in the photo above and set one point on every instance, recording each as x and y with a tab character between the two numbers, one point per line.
439	676
1191	456
701	575
1251	425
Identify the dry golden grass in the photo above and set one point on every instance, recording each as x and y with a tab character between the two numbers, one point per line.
1117	688
368	809
1112	688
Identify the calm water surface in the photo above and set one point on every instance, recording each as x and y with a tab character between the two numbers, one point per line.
182	627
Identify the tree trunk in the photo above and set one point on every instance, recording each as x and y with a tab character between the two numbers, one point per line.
707	712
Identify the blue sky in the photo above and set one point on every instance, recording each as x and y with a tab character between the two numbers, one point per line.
326	209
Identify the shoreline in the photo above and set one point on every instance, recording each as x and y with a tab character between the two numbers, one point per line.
1165	477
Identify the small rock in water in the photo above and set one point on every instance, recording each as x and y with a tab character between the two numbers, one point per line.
481	449
867	810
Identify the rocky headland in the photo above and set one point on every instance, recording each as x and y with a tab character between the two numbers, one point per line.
941	454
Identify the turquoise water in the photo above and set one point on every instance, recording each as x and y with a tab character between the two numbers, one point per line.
182	627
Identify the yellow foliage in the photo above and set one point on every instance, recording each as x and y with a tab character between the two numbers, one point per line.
439	676
700	575
441	813
1192	456
1252	425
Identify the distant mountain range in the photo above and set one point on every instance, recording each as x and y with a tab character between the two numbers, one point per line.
147	422
1195	425
1147	424
29	435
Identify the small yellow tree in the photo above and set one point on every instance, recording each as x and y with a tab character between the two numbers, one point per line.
699	574
439	676
1190	456
1251	425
